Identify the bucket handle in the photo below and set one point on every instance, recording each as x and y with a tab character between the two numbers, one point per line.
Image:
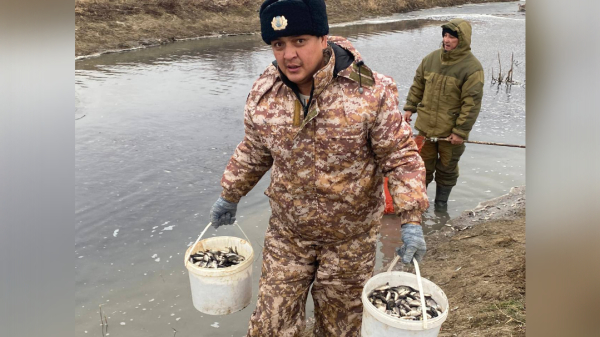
423	307
418	273
187	256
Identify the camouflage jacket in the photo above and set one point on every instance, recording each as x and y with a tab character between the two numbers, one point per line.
327	168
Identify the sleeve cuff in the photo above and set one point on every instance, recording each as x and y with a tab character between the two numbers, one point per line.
231	197
461	133
413	216
410	108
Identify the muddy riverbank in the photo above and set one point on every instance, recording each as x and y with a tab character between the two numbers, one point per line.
156	127
103	26
478	259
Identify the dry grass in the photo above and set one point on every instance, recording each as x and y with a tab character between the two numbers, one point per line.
102	25
487	294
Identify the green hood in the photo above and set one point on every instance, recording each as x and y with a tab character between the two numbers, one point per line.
448	88
464	41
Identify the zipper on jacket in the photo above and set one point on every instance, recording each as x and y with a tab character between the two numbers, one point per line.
307	105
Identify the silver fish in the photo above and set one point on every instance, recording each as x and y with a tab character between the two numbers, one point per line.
216	258
403	302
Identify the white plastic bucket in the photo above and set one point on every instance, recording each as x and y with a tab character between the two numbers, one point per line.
378	324
221	291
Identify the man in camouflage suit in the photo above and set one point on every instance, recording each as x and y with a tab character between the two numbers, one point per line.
446	94
329	129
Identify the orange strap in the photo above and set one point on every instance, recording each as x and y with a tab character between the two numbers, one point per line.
420	140
389	204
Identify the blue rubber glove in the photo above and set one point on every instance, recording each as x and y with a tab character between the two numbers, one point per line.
413	243
223	212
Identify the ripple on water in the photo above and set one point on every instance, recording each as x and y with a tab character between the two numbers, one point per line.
180	108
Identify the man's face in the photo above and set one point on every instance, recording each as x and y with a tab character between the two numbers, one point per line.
299	58
450	42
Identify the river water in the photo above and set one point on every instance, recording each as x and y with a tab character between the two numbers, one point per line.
156	127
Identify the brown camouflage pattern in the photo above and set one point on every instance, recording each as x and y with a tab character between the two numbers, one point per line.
327	173
326	190
291	264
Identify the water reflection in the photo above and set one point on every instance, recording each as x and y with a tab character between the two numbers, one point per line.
374	29
161	124
219	50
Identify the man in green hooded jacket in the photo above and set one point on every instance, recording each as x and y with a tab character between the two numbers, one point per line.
446	94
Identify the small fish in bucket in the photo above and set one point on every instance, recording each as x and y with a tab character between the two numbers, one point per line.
387	323
220	270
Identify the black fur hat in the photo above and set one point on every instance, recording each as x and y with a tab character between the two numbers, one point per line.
292	17
449	31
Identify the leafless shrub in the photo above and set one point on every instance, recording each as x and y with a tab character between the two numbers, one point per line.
501	78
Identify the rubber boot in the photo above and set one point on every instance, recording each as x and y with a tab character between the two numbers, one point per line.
442	192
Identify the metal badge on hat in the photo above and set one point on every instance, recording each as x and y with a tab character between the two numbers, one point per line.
279	23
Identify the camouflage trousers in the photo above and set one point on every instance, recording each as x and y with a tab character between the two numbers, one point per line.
442	159
336	271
